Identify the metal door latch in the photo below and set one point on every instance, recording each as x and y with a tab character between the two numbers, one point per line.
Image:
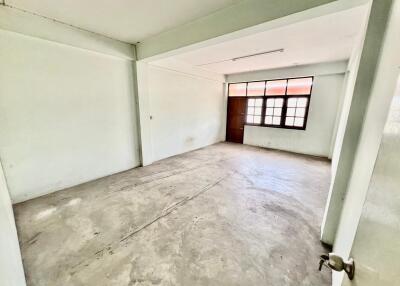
336	263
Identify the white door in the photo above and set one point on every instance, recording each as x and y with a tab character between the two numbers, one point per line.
369	226
11	268
376	248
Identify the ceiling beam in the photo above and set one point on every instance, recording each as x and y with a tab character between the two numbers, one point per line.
239	20
27	23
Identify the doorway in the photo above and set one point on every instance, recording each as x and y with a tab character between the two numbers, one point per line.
236	119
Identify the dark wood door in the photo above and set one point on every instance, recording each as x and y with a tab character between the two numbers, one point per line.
236	119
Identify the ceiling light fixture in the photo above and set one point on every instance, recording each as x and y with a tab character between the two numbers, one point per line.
244	57
258	54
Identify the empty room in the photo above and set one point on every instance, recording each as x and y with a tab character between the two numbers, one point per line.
184	142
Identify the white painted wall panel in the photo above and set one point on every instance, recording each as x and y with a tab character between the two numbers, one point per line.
187	111
67	115
11	269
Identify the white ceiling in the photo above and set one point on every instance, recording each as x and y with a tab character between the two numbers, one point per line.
323	39
125	20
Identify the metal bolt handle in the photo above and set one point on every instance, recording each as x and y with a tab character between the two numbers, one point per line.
336	263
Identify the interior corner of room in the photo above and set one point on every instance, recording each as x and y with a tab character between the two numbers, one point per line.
195	149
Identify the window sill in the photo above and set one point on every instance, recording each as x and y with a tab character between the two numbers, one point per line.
274	126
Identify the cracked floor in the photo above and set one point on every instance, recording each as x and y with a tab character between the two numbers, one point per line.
226	214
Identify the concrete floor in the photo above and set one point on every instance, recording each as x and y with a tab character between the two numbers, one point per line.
222	215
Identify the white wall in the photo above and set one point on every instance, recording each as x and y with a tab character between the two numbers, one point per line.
325	98
67	115
187	111
11	269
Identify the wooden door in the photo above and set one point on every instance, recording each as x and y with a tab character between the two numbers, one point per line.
235	119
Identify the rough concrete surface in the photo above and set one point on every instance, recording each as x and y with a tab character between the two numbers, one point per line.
226	214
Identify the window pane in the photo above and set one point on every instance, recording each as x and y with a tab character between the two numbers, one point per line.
302	102
237	89
292	102
298	122
270	102
249	119
268	120
257	111
300	112
279	102
250	102
276	87
257	119
269	111
299	86
250	110
276	120
290	111
277	111
289	121
255	88
259	102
